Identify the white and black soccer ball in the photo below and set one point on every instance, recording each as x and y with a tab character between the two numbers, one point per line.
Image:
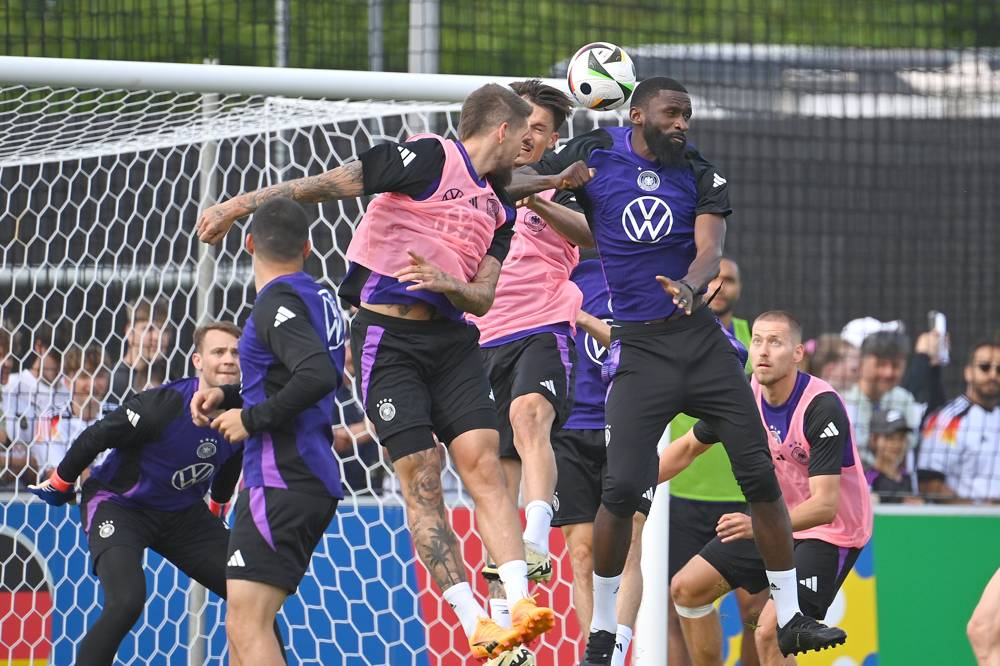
601	76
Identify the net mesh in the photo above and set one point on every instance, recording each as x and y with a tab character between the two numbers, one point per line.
103	191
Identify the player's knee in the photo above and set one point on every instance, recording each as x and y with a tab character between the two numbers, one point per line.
622	497
978	631
759	484
582	558
531	416
125	605
686	595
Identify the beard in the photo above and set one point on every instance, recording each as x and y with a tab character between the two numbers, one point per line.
669	152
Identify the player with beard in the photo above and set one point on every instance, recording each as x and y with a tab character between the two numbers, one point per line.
821	477
427	251
657	211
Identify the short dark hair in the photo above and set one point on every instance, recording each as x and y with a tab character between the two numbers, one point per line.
488	107
650	87
782	315
980	344
280	229
886	344
545	96
224	326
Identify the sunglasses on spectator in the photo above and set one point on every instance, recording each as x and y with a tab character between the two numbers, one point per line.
985	367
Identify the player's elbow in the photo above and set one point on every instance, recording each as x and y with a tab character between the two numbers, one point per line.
829	509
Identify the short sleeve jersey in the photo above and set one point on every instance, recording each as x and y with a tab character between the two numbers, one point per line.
642	214
413	168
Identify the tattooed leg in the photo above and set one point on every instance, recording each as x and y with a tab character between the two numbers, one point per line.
434	540
475	454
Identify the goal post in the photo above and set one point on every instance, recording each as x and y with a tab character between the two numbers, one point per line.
104	169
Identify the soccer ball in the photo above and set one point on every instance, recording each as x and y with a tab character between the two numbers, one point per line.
601	76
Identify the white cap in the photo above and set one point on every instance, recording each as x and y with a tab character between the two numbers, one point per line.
857	330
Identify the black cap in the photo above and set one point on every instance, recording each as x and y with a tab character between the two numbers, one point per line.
889	421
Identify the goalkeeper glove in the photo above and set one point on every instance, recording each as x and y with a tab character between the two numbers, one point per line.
54	491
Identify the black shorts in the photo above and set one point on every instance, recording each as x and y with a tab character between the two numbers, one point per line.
275	532
692	526
581	458
420	374
192	539
659	370
542	363
821	568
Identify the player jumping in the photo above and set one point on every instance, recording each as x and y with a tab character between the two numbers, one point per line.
427	251
658	209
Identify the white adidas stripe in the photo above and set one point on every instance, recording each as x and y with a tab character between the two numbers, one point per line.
407	155
282	315
237	560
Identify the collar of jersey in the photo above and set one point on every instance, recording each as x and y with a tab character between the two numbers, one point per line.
468	165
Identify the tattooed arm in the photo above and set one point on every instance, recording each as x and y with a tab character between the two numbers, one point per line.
343	182
475	297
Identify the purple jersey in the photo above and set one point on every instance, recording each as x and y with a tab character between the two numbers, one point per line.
292	358
588	410
642	215
159	459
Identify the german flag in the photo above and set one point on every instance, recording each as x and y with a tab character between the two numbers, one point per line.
25	604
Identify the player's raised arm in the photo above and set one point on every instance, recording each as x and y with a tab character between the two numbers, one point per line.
342	182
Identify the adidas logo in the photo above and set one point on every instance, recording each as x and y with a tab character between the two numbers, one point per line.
618	647
236	560
133	418
649	494
491	396
407	155
774	587
717	180
550	385
829	431
810	583
283	315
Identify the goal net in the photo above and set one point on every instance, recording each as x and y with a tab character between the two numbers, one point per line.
102	283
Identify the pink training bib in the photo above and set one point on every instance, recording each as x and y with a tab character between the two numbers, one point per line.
534	288
852	528
452	228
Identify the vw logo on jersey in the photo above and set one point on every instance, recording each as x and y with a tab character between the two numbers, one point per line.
192	475
596	352
335	326
647	220
648	181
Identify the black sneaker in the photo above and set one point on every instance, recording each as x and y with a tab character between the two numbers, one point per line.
600	647
802	634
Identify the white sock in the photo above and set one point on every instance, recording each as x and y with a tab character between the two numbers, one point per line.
622	640
469	611
500	612
605	596
514	575
538	519
785	594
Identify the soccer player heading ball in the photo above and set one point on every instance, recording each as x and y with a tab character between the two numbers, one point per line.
426	252
658	212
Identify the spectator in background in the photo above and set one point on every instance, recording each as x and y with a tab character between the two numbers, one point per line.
960	448
28	398
147	340
6	369
355	446
834	360
883	362
889	442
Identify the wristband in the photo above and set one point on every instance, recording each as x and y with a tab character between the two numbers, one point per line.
694	294
56	482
